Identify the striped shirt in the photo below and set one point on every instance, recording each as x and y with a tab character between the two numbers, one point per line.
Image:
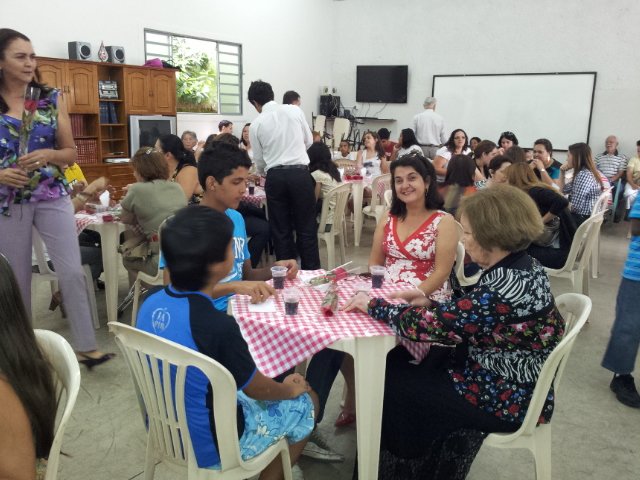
611	165
632	265
583	191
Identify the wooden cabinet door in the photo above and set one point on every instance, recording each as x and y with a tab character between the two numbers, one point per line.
52	74
83	88
138	91
163	92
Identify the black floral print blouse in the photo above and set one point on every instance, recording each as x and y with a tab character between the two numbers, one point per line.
505	328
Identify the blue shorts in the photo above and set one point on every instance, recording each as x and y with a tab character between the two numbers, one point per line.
267	421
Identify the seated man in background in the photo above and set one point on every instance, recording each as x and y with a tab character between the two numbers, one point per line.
546	168
344	152
613	165
198	244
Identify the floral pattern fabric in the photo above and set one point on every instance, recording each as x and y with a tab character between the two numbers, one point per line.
46	183
506	327
413	260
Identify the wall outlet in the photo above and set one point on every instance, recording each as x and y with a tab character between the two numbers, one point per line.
324	89
334	90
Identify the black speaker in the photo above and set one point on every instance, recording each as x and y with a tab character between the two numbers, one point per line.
329	105
79	51
116	54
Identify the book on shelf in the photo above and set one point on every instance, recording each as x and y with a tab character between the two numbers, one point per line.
113	115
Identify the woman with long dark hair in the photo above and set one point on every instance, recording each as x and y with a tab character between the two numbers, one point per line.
417	242
482	154
27	394
325	173
458	182
587	183
407	143
507	140
33	188
182	166
372	157
456	145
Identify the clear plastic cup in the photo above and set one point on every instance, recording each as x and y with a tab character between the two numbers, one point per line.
291	298
377	275
278	274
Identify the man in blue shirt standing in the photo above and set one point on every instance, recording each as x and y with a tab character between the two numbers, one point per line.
621	353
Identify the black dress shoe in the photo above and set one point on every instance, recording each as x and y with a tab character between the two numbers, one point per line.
625	389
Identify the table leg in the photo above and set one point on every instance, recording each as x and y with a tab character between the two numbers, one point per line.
109	233
370	357
357	190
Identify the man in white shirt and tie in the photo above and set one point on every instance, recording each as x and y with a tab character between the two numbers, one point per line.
279	138
429	128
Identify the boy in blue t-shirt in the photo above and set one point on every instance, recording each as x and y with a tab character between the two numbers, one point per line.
621	353
223	172
198	247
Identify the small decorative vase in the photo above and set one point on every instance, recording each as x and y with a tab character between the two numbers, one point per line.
102	53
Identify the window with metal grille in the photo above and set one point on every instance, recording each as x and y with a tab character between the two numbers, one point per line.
210	80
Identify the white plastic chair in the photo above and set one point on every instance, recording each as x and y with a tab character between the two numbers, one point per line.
377	208
341	128
459	264
388	196
157	279
341	195
319	124
601	206
45	274
575	309
576	268
67	383
164	412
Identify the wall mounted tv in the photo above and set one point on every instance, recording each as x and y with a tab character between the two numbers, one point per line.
381	83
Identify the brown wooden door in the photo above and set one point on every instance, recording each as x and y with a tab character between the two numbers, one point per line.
138	91
52	74
163	92
83	88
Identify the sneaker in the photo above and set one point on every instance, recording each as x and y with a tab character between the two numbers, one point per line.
318	449
625	389
296	473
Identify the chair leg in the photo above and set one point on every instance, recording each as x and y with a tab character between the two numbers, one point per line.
595	258
542	452
343	253
91	294
585	281
577	279
331	251
149	461
136	298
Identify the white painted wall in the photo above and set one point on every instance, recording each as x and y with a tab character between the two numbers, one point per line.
278	38
496	36
303	44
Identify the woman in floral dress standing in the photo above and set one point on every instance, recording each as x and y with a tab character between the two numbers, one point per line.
33	189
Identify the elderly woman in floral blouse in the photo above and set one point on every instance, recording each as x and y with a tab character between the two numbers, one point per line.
437	413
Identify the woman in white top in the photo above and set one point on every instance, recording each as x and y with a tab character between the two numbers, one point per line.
407	143
457	144
372	157
325	173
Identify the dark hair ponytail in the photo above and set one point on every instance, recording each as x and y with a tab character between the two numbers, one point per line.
320	159
172	144
23	364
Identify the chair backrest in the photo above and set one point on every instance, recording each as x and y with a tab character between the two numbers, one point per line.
162	404
602	204
341	128
575	309
67	383
318	123
380	184
388	196
583	242
340	195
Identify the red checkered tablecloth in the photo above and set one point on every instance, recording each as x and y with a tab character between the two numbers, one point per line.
84	219
258	199
278	342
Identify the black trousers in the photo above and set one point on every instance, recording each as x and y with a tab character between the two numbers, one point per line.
291	202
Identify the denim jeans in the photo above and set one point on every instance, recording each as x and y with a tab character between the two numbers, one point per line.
622	350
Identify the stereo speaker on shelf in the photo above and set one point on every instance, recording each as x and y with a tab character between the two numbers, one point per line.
79	51
329	105
116	54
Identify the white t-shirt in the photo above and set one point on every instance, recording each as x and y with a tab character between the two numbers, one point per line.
338	156
429	128
446	154
412	148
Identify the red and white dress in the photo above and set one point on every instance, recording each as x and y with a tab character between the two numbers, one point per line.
413	260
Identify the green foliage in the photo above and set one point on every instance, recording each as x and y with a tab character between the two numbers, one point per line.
196	84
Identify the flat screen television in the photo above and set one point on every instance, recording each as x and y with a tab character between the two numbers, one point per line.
381	83
144	130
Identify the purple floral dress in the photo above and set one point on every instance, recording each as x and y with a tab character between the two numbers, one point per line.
46	183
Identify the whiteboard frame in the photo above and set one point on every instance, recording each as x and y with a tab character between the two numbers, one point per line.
593	91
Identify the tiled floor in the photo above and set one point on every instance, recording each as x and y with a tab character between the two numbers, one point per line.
594	436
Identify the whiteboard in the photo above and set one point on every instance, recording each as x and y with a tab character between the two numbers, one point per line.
556	106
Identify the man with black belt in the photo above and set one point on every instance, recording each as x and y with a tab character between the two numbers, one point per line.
279	138
429	128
